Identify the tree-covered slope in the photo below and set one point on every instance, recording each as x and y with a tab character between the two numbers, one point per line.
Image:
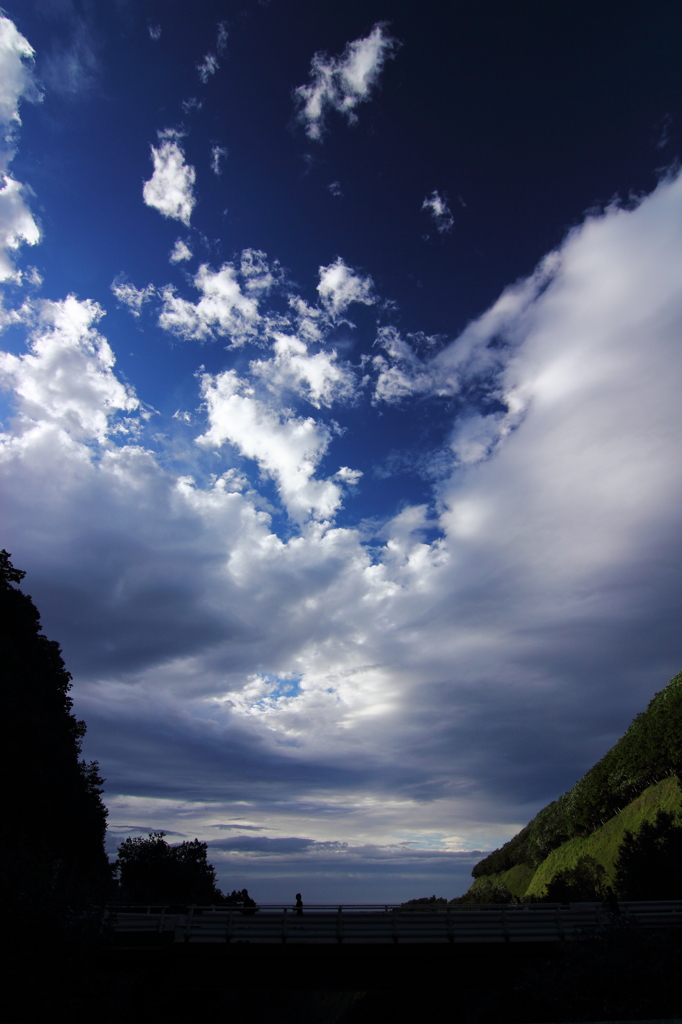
649	752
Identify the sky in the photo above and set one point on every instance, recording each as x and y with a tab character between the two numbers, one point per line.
340	374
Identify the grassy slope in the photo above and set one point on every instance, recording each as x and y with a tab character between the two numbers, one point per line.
602	845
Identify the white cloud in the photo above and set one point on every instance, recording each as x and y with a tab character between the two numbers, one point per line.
66	381
170	188
341	83
154	32
180	252
17	225
16	75
134	298
319	378
439	210
222	310
208	67
218	155
339	287
286	447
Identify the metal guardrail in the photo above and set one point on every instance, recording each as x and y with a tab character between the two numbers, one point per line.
387	924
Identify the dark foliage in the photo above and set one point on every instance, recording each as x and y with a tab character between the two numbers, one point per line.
485	890
585	882
151	871
649	865
54	817
648	752
239	898
426	903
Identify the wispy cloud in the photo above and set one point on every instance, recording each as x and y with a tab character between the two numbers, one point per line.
218	155
210	63
208	67
170	190
128	295
341	83
440	212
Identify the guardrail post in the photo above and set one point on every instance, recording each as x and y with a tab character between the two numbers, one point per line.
228	934
339	925
284	925
188	924
395	927
451	934
505	924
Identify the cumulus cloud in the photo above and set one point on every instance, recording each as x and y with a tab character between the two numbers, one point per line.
339	287
317	377
66	381
128	295
222	310
341	83
16	74
440	212
17	224
286	447
180	252
170	190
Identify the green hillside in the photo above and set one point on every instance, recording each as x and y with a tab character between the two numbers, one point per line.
636	778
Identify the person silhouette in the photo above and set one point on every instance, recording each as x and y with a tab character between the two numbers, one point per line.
299	904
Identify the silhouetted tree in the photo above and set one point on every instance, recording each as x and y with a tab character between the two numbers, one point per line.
239	898
649	865
53	814
426	903
151	871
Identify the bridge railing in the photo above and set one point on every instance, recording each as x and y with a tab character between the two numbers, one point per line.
386	923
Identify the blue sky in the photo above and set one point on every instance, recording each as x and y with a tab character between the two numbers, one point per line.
340	404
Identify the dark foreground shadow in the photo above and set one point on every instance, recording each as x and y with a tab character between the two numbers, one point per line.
628	974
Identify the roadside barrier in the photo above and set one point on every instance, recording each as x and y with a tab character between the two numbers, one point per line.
385	923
